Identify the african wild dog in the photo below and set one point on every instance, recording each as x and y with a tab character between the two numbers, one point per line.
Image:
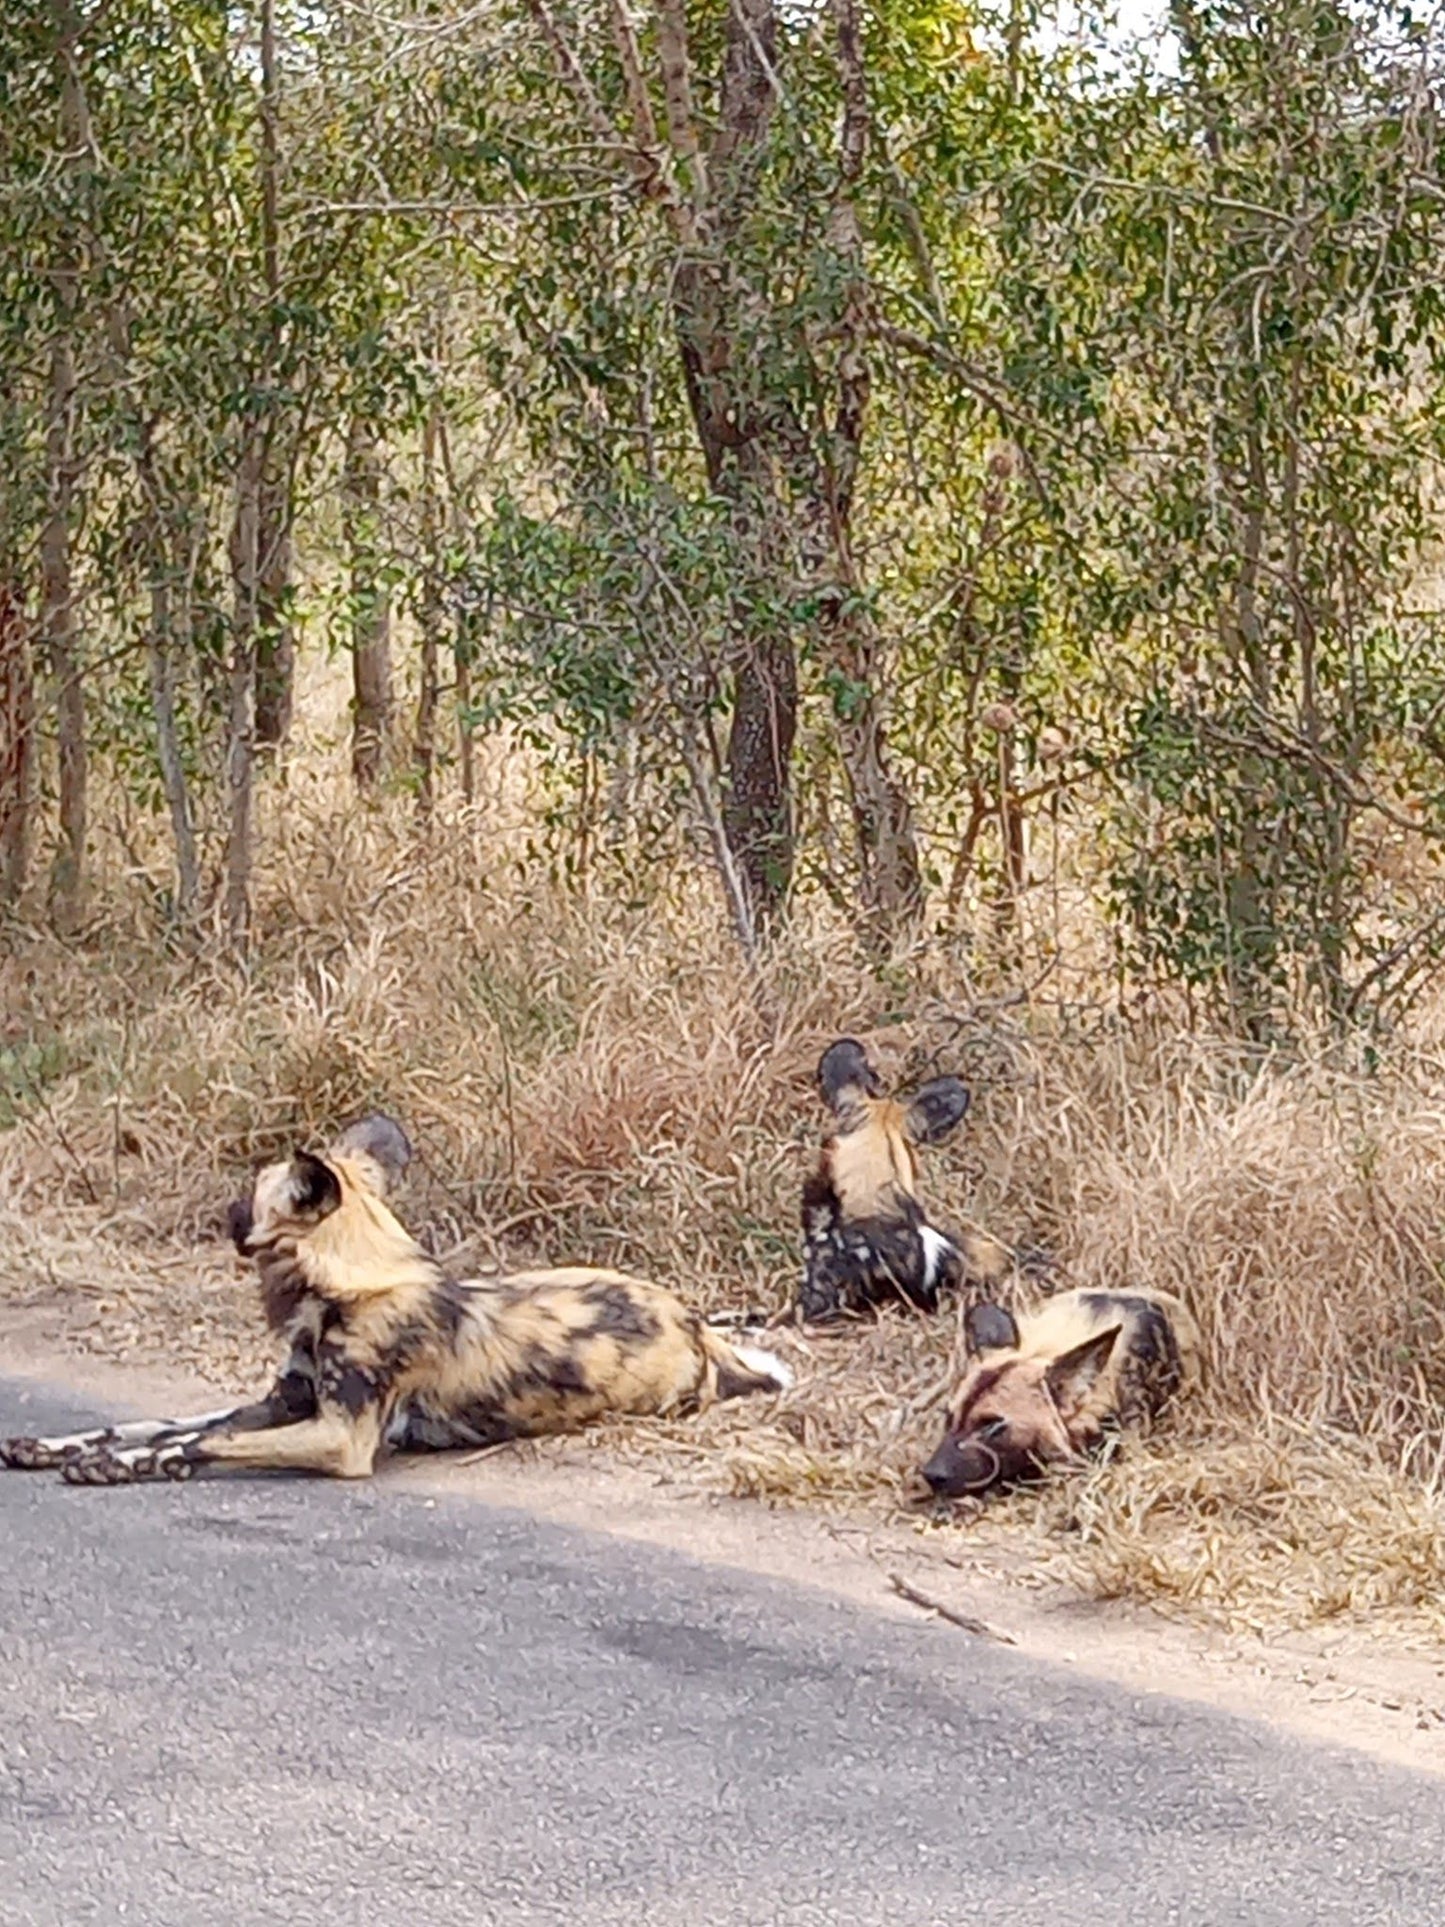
1085	1363
385	1349
866	1238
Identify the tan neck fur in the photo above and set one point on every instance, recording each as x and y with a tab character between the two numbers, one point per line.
872	1165
360	1248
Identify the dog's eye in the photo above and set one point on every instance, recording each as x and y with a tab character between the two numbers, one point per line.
995	1429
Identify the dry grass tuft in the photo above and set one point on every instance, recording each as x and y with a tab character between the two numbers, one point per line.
1291	1529
588	1078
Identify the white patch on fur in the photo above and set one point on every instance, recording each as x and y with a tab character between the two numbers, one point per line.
76	1441
935	1249
142	1458
765	1364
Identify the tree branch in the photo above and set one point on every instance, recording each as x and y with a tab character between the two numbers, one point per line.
971	378
675	60
750	83
642	166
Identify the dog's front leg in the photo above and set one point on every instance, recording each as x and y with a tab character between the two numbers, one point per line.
339	1443
29	1454
292	1397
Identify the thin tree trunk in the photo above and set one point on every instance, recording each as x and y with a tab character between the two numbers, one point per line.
892	882
1249	889
275	637
17	747
424	750
735	891
275	643
372	703
1002	719
429	693
160	665
241	723
163	651
466	739
61	643
59	632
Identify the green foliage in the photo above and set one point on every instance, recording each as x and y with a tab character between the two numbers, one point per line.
1147	364
1229	333
28	1066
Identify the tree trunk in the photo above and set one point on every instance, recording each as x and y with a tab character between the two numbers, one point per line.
61	643
745	450
424	749
372	705
757	800
1249	886
428	696
59	633
751	450
1013	847
889	872
748	447
160	666
17	747
466	738
274	644
757	809
241	723
735	891
275	638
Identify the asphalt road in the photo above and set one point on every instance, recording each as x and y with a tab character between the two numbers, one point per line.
250	1701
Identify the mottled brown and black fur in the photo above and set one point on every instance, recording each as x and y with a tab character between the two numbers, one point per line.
385	1349
866	1237
1047	1389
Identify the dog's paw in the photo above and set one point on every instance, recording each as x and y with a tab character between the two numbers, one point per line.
98	1468
30	1455
127	1465
43	1455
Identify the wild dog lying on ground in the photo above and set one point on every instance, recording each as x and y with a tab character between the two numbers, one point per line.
866	1237
1046	1391
385	1349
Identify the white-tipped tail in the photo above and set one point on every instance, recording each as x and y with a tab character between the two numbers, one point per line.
935	1249
765	1364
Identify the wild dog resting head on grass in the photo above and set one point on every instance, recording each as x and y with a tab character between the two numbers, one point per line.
866	1237
385	1349
1045	1389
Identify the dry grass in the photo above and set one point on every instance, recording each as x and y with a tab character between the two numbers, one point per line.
588	1079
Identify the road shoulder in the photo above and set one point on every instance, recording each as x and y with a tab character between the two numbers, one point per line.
1347	1686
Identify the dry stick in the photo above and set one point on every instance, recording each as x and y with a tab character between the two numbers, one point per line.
485	1451
965	1620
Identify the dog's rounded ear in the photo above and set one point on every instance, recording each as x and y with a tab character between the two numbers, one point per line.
379	1138
989	1328
315	1187
1072	1376
844	1067
935	1109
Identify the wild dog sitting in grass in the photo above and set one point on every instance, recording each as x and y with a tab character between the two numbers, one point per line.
866	1237
1044	1391
385	1349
